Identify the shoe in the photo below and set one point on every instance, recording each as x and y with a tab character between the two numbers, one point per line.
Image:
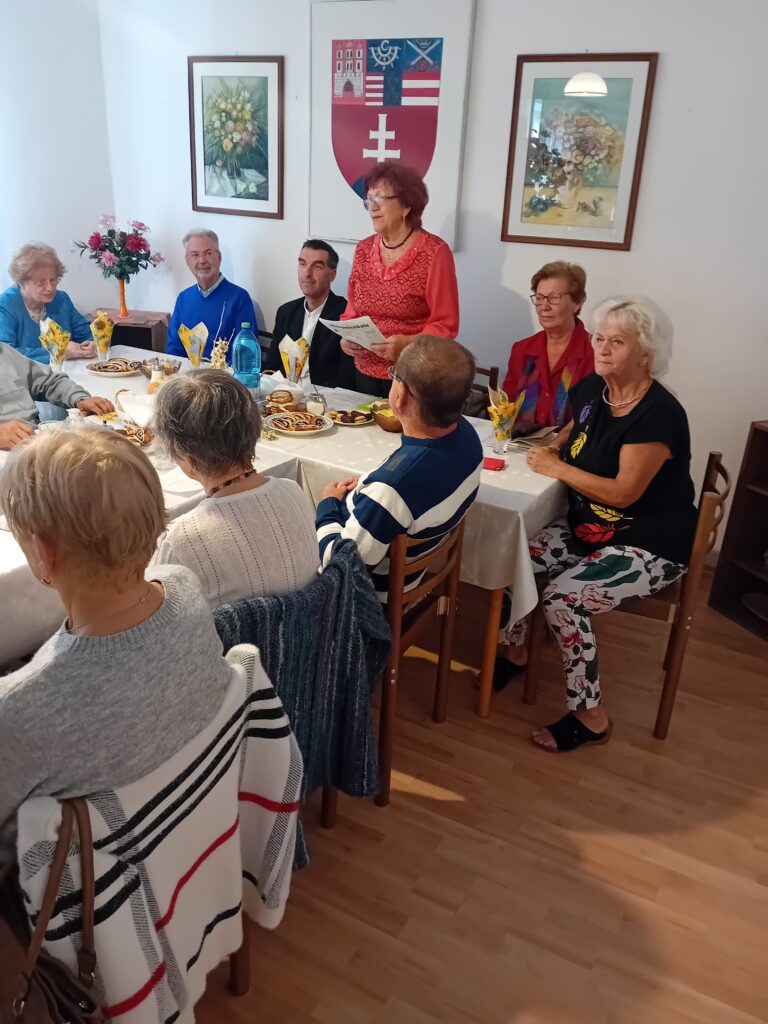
504	671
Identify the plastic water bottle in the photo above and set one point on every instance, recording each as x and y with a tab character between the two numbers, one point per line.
246	359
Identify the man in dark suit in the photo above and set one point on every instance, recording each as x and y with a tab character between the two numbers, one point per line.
327	364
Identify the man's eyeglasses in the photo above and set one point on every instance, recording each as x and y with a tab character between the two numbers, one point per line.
553	299
394	375
370	201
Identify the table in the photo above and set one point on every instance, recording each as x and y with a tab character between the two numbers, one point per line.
511	506
30	612
143	329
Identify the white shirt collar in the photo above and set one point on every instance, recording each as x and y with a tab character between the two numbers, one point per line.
213	287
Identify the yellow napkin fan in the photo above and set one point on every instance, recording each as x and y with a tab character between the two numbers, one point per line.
194	342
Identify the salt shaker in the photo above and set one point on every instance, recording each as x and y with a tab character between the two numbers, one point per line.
316	404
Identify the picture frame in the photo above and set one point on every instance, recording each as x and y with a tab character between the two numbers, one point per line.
575	162
236	135
389	81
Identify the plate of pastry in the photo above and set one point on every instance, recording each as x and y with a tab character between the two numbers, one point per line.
297	423
351	417
115	367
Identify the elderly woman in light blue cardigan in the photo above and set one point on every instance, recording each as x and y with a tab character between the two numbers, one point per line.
36	271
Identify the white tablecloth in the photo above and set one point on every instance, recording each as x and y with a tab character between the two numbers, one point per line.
30	612
512	505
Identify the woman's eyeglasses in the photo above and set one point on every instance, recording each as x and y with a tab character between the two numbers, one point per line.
370	201
553	299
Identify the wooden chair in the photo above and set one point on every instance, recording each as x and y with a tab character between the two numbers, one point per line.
410	613
675	603
493	378
240	965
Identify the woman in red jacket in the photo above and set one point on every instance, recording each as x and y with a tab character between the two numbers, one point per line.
546	365
403	277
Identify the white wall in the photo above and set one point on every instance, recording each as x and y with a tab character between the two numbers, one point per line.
698	246
55	176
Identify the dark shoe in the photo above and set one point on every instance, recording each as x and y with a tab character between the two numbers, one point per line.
570	732
504	671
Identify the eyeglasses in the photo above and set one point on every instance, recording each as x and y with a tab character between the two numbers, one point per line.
553	299
394	375
371	201
50	282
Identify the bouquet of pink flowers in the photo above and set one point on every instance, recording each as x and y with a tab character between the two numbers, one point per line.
118	253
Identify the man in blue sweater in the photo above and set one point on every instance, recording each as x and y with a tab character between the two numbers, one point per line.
426	486
222	306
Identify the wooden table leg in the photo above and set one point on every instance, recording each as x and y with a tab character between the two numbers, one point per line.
490	646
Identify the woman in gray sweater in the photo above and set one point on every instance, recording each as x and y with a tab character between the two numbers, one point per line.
136	670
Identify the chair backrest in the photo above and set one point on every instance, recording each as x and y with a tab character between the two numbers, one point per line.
492	374
477	399
323	648
445	560
714	494
177	853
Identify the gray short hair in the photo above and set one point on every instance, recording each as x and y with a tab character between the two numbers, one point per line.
647	320
210	418
31	256
205	232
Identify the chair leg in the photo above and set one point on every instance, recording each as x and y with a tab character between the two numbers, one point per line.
678	642
537	631
240	965
672	632
447	628
490	648
328	807
387	731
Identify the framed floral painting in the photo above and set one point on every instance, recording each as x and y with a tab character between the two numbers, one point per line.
236	135
576	148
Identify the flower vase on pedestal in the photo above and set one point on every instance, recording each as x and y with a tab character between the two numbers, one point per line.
124	314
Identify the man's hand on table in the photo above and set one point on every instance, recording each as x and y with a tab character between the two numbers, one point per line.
13	432
95	406
340	490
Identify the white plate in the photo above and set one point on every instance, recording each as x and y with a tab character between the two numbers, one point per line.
116	373
365	423
329	425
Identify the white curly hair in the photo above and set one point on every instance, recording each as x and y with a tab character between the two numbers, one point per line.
643	317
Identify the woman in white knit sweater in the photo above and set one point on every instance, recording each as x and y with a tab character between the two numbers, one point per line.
252	534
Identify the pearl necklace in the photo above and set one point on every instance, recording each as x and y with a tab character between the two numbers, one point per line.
621	405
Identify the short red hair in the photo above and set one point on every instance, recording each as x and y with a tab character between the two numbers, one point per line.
404	182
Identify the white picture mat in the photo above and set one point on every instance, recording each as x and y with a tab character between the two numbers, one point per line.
335	212
638	72
246	69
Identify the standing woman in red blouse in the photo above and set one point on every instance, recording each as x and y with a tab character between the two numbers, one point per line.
403	277
549	363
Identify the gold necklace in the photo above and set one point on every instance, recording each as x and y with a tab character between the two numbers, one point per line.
121	611
621	405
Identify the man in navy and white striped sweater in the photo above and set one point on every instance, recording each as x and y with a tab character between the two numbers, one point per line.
426	486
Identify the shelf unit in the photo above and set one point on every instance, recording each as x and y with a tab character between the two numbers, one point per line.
740	587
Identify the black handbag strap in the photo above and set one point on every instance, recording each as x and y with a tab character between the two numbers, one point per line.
71	810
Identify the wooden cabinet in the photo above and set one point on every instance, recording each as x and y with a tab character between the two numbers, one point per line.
142	329
740	586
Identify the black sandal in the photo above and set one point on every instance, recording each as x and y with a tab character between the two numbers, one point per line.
504	671
569	732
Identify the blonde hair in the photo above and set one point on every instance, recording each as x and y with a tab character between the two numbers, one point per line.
645	319
30	256
93	493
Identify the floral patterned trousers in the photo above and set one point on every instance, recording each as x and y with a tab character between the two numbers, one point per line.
580	587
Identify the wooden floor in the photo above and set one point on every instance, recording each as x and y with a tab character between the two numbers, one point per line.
626	884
